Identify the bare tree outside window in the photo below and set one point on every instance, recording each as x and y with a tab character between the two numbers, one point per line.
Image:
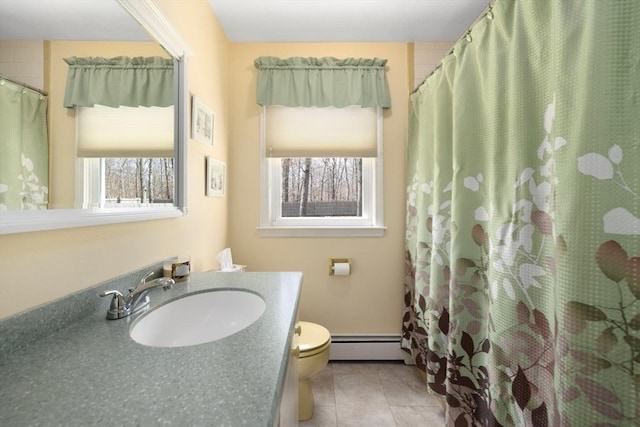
133	181
321	187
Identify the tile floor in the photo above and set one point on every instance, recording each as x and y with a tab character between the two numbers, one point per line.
372	394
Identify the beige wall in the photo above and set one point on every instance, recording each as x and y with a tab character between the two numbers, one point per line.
41	266
62	121
426	57
23	60
370	300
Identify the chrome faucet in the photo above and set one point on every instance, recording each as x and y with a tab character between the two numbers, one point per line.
136	299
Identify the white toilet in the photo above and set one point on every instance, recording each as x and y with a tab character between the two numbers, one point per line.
314	343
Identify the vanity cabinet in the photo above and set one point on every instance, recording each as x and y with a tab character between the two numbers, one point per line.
289	403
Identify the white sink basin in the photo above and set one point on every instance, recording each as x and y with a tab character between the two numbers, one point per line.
198	319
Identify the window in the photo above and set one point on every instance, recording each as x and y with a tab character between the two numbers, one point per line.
322	172
319	112
321	187
127	182
132	165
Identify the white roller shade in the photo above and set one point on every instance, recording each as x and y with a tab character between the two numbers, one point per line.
125	131
321	132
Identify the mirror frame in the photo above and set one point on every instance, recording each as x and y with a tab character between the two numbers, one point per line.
153	20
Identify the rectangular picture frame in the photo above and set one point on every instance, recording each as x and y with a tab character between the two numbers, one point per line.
216	177
202	122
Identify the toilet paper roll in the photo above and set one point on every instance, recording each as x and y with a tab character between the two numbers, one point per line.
341	269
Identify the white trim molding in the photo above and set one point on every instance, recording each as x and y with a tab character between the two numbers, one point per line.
154	21
56	219
322	231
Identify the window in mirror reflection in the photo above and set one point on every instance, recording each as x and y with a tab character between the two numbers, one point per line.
124	130
131	165
128	182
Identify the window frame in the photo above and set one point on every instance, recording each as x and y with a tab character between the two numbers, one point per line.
89	183
90	180
90	191
272	224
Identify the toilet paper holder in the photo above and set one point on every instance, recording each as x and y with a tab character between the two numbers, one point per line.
334	261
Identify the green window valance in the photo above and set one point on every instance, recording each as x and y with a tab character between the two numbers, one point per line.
112	82
322	82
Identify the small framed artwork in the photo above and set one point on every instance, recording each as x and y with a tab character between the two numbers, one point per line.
216	178
201	122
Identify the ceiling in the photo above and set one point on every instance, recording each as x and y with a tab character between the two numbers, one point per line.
68	20
346	20
252	20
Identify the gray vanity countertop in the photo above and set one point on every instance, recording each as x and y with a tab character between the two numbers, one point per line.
92	373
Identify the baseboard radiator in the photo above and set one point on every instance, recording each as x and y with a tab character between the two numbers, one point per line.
367	347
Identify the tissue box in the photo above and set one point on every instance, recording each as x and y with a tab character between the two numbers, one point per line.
236	268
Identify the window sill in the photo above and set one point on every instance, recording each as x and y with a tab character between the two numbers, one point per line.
322	231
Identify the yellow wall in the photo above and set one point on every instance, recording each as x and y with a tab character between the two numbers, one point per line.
41	266
62	121
370	300
427	56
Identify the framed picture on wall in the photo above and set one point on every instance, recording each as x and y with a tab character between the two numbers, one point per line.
216	178
201	122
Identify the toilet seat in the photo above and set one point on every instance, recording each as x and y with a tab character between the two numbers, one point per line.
313	339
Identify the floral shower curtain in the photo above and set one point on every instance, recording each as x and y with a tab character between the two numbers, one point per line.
24	148
522	284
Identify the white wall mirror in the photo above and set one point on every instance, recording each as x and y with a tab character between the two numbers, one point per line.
124	20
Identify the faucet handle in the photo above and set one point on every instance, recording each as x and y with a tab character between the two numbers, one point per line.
144	279
165	282
112	292
141	282
117	303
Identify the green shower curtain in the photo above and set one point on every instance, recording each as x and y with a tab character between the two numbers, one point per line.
522	285
24	148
